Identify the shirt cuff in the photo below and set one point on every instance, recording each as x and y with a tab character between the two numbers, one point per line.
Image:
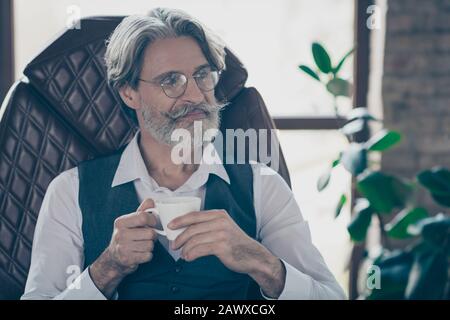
83	288
296	286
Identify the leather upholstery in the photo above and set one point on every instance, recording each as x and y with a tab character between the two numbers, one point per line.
64	112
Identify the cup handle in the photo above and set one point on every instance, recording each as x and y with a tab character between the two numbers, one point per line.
155	212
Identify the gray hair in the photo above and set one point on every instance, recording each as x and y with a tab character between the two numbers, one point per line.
126	46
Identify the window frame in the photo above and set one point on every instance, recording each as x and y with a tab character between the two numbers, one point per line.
360	74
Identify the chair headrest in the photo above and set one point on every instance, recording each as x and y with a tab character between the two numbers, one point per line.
75	49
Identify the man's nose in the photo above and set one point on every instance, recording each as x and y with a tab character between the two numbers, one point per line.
193	94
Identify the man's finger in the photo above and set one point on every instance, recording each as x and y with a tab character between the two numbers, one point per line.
147	203
142	246
200	239
136	220
193	217
144	257
196	229
202	250
138	234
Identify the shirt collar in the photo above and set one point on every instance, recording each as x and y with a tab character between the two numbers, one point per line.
132	167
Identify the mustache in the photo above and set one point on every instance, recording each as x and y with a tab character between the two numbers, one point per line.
185	109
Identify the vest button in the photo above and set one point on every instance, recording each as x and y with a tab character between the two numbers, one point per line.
174	289
177	269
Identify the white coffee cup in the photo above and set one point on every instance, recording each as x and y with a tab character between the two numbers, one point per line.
170	208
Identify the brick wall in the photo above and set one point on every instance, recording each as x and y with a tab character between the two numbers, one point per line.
416	86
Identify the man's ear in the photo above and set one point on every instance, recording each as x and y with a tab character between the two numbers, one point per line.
131	97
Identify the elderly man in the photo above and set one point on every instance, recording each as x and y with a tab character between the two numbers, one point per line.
165	66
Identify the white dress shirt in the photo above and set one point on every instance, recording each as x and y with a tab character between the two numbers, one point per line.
57	257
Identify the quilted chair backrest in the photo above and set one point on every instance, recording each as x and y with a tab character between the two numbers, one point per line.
63	112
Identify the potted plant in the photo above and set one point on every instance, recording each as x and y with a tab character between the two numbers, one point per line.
420	270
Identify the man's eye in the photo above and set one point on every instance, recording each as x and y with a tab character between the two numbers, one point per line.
171	80
202	75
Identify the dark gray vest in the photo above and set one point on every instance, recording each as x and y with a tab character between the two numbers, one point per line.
163	277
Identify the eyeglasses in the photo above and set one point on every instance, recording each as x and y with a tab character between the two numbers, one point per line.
174	84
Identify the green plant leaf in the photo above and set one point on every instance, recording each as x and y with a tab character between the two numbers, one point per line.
360	113
309	71
442	200
439	219
353	127
339	87
336	161
436	180
324	179
361	218
341	63
435	230
428	276
321	57
398	227
340	205
354	159
383	140
384	192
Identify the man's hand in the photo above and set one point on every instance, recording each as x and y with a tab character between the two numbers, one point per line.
214	232
132	243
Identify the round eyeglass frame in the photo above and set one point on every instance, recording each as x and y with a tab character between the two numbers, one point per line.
158	83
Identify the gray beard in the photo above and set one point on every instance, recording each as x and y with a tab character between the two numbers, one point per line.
161	125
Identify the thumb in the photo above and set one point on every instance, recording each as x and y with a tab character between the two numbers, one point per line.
147	203
150	219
